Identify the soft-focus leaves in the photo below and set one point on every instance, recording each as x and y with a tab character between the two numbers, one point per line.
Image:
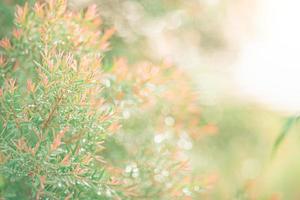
284	132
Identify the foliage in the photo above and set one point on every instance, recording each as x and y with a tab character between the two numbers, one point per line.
73	128
76	122
7	15
50	88
284	132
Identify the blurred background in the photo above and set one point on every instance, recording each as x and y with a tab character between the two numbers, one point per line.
242	56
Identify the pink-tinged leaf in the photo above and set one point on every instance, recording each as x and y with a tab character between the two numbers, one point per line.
2	61
91	12
108	34
5	43
57	140
66	160
30	86
17	33
11	85
21	13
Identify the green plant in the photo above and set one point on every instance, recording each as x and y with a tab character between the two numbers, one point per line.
290	122
60	107
54	110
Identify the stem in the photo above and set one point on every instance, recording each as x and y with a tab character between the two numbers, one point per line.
51	113
16	119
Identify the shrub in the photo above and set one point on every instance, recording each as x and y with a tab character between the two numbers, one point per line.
60	108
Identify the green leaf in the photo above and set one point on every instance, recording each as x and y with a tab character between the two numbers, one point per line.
284	132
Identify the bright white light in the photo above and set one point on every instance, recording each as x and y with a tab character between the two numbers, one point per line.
212	2
269	67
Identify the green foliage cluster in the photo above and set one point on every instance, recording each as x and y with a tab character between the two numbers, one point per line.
7	15
51	131
60	107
